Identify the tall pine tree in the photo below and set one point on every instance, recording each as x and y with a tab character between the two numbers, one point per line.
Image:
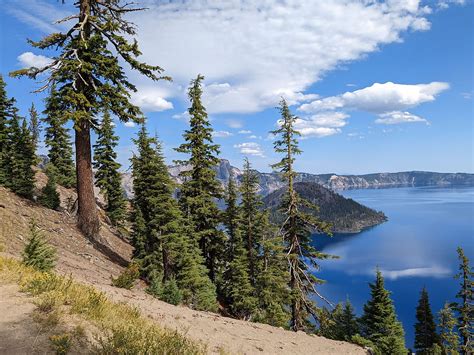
89	78
425	327
379	321
160	234
272	277
107	175
58	141
465	307
35	126
6	114
21	158
297	227
200	187
448	336
251	217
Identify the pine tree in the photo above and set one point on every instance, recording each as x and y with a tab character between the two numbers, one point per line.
200	187
34	127
90	79
231	218
425	327
297	227
58	141
465	308
107	175
21	159
241	292
251	205
160	234
272	278
6	112
49	195
379	321
448	336
348	321
38	253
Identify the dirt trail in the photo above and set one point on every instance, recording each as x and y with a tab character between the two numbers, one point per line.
78	258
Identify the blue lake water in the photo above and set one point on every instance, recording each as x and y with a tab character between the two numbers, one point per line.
416	247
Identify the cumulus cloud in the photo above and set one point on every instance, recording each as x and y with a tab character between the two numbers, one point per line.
380	98
151	100
221	134
29	59
396	117
321	124
388	101
250	148
245	49
129	124
249	56
234	123
244	131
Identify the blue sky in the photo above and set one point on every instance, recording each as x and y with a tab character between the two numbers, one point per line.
378	86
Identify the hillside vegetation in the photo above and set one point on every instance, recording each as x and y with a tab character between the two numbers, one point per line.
84	266
345	214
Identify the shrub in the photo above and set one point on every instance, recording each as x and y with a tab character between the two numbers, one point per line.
171	293
61	343
127	278
38	253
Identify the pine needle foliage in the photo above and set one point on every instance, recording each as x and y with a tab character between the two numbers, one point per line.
161	236
87	72
200	187
38	253
297	226
7	111
448	336
107	175
58	141
379	321
34	126
425	327
465	307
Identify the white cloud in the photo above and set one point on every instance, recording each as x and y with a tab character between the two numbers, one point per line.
221	134
251	53
321	124
396	117
250	148
151	100
251	58
466	95
28	59
380	98
129	124
184	116
435	271
244	131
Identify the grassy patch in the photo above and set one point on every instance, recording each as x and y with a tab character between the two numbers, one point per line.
122	330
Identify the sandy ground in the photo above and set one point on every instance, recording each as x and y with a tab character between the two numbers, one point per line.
78	258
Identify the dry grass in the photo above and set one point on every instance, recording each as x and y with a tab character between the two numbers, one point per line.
121	328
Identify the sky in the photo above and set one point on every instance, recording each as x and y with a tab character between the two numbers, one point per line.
378	86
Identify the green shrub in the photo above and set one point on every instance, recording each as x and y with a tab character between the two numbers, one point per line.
128	277
38	253
171	293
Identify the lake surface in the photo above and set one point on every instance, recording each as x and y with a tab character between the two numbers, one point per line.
416	247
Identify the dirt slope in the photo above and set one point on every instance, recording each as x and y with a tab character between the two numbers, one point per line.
77	257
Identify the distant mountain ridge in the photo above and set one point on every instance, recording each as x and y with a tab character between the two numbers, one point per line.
270	182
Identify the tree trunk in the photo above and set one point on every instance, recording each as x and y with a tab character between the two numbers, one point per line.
87	217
